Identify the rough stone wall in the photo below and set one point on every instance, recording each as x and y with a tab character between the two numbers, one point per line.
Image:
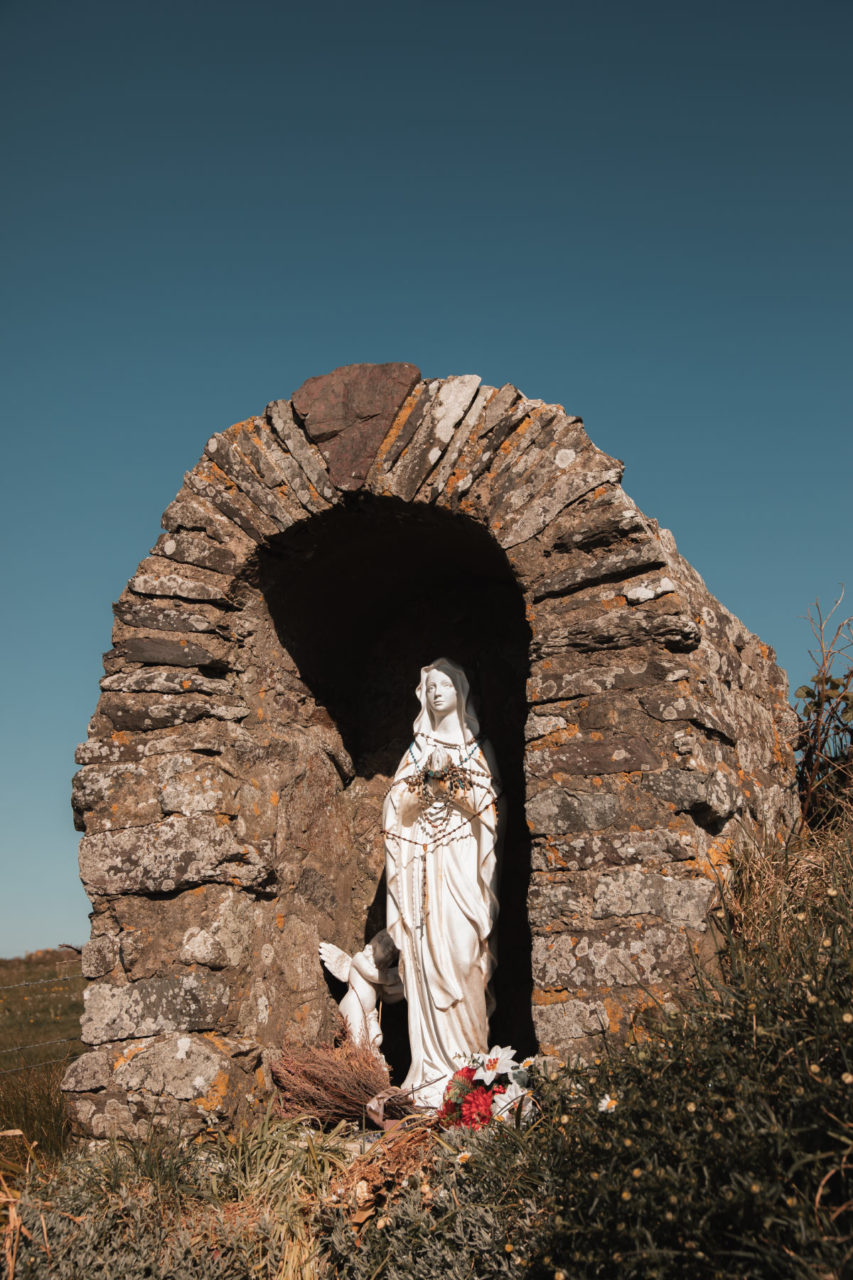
229	822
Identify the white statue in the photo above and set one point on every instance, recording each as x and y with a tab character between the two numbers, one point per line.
370	975
440	828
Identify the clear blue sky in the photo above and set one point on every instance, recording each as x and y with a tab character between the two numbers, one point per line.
640	210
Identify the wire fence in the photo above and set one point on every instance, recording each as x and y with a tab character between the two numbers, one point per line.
42	1044
34	1066
40	982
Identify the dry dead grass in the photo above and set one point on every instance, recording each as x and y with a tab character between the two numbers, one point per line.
778	889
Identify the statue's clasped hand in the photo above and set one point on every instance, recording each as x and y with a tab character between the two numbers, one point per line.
438	776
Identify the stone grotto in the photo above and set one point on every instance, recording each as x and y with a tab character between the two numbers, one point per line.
260	691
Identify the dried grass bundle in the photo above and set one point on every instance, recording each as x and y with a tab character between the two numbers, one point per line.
330	1083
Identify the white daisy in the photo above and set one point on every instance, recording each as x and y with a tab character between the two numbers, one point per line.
607	1103
497	1062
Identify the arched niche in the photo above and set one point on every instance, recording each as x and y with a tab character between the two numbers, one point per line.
361	597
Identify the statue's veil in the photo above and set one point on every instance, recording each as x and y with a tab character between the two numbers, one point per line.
470	723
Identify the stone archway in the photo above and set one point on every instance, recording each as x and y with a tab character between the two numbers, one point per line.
231	783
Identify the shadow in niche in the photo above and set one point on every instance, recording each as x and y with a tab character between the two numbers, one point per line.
362	597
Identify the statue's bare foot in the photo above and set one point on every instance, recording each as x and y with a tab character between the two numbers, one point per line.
336	961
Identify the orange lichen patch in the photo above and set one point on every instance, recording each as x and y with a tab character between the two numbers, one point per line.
279	921
718	853
222	819
185	684
183	643
260	1079
777	746
126	1055
596	735
260	713
121	737
284	491
556	996
615	1011
520	432
553	855
216	1040
397	425
210	472
314	493
197	891
596	782
615	602
237	428
600	491
463	466
274	798
215	1096
704	867
554	739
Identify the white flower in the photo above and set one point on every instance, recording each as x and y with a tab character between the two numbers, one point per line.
504	1105
498	1062
607	1103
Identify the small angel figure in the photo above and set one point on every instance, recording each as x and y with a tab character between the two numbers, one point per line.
370	974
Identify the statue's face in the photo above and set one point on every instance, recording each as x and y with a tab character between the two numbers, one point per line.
440	693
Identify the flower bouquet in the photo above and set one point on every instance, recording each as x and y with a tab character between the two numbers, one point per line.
484	1089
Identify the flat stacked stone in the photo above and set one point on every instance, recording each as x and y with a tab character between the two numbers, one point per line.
227	829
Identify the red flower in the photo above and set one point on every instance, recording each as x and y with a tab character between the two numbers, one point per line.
477	1108
464	1073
